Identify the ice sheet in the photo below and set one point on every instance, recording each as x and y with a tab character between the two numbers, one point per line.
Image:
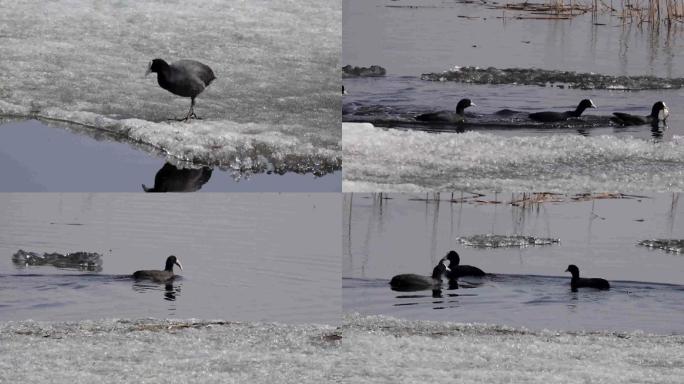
276	98
371	350
411	161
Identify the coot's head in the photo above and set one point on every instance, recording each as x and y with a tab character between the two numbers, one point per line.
453	258
572	268
586	103
463	104
156	65
660	111
170	261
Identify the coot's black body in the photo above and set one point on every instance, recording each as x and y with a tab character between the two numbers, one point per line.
186	78
578	282
549	116
448	116
659	112
457	270
159	276
413	282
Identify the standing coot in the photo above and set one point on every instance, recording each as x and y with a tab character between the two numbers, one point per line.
659	113
160	276
457	270
413	282
448	116
187	78
548	116
577	282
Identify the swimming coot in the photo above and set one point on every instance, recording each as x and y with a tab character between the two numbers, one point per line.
548	116
413	282
160	276
577	282
457	270
187	78
448	116
659	113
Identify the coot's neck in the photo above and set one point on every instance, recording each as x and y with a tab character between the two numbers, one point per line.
579	110
655	113
575	274
162	78
162	74
437	272
169	266
460	109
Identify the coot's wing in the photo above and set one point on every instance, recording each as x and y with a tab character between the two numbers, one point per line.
627	119
547	116
202	71
433	116
441	116
183	82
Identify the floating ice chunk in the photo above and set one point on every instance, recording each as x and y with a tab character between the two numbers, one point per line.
543	77
500	241
85	261
668	245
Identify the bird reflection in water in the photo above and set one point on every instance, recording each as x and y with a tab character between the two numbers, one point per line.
172	179
171	290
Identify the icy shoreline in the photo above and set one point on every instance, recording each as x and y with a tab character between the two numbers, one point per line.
273	107
247	147
370	349
395	160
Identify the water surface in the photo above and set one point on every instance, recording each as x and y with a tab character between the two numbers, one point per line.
87	160
242	257
528	287
411	38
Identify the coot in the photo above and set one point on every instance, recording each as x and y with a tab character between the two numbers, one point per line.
448	116
549	116
577	282
413	282
659	112
160	276
187	78
457	270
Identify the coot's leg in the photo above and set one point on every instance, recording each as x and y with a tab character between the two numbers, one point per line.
191	112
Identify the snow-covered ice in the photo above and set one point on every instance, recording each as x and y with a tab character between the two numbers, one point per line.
395	160
364	349
274	106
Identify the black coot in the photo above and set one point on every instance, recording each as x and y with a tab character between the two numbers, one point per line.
160	276
577	282
548	116
448	116
413	282
457	270
187	78
659	112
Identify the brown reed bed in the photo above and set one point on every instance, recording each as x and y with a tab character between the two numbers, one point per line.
640	12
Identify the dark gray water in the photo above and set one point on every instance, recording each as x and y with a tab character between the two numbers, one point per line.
259	257
35	157
404	234
412	38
